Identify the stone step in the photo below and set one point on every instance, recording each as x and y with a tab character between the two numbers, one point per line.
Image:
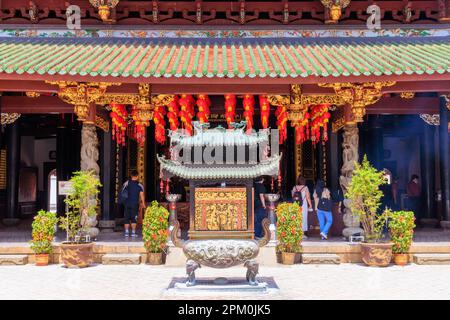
13	259
320	258
121	258
432	258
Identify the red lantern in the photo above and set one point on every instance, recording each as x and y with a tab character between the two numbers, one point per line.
265	111
203	104
230	108
319	119
119	116
172	114
282	118
186	103
160	123
140	126
249	110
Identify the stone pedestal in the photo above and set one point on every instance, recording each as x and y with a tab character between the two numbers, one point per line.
445	225
272	198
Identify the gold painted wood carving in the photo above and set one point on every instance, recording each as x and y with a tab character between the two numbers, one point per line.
220	209
2	169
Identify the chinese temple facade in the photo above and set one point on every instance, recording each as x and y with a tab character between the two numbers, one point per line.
102	95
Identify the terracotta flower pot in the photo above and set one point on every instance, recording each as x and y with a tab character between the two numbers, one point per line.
401	259
42	259
77	255
376	254
155	258
288	257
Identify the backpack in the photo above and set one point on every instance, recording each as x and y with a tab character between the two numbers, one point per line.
298	197
123	196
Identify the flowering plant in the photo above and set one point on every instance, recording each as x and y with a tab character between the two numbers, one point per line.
401	229
43	230
155	228
289	226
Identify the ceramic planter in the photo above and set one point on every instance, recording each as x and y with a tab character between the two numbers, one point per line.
155	258
376	254
42	259
401	259
288	257
77	255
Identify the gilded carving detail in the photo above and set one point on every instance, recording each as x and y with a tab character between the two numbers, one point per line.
102	123
220	209
358	95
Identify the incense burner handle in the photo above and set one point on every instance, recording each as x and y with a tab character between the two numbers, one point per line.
178	242
266	238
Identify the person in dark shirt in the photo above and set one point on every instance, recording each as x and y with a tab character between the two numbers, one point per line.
260	206
133	203
324	213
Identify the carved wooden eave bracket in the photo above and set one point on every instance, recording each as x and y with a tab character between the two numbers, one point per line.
81	95
297	103
333	9
358	95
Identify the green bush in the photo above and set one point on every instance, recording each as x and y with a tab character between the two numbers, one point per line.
289	227
155	228
401	229
82	200
43	231
365	198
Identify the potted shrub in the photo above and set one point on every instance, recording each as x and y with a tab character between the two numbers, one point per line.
43	231
289	231
82	203
401	229
365	195
155	231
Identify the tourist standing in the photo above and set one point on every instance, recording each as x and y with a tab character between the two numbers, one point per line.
260	206
413	191
133	200
300	194
320	184
324	213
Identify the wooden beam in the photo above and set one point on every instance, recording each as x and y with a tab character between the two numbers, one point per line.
42	104
437	82
397	105
52	104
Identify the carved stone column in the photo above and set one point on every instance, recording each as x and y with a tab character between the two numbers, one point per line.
350	155
89	162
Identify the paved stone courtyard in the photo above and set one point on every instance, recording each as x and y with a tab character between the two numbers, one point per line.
346	281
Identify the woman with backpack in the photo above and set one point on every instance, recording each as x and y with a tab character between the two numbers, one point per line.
300	194
324	213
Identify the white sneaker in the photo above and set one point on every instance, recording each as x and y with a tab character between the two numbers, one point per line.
324	236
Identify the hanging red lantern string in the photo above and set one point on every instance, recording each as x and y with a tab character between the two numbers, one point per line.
119	116
139	127
249	110
172	114
160	124
186	103
230	108
265	111
302	129
203	104
319	119
282	118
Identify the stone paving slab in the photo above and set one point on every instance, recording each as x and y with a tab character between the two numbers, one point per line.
317	282
440	258
121	259
320	258
13	260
